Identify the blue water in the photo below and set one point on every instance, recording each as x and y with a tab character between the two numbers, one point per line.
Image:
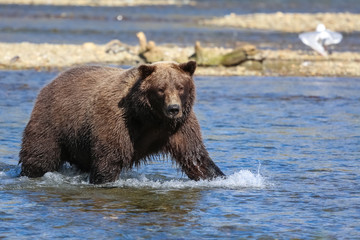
289	145
176	24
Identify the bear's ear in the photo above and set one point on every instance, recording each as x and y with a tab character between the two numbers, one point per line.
188	67
146	70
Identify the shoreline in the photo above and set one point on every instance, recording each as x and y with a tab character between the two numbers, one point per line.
92	3
287	22
22	56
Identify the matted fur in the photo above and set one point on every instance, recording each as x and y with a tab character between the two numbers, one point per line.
104	120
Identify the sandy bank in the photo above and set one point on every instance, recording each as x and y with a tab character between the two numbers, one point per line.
289	22
106	3
281	62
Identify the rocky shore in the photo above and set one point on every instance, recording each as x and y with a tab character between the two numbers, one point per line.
275	63
244	60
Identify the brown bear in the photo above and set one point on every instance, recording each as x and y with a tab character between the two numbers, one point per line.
104	120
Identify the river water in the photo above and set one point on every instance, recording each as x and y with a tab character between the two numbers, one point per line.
163	24
289	146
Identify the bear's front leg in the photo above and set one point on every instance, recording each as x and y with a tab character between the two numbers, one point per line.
107	164
104	172
187	148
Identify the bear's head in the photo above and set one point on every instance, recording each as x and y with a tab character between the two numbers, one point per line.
168	89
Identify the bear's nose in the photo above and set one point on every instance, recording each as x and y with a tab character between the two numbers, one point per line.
173	109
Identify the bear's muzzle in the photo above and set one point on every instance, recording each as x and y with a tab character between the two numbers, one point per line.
173	110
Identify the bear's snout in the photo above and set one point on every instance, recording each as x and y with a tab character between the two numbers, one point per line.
173	110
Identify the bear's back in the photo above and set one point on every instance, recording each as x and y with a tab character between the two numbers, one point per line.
84	78
71	96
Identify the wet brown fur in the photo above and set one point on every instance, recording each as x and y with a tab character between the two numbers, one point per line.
104	120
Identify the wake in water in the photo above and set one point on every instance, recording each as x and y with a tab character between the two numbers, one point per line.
69	176
241	179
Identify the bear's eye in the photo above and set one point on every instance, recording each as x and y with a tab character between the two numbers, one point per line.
180	88
161	91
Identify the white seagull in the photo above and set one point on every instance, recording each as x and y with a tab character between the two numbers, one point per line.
320	39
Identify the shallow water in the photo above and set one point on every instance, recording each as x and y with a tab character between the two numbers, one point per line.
163	24
290	148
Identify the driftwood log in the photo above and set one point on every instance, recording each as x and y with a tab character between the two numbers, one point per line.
148	50
207	57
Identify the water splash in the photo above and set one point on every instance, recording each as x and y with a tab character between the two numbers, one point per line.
238	180
71	177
